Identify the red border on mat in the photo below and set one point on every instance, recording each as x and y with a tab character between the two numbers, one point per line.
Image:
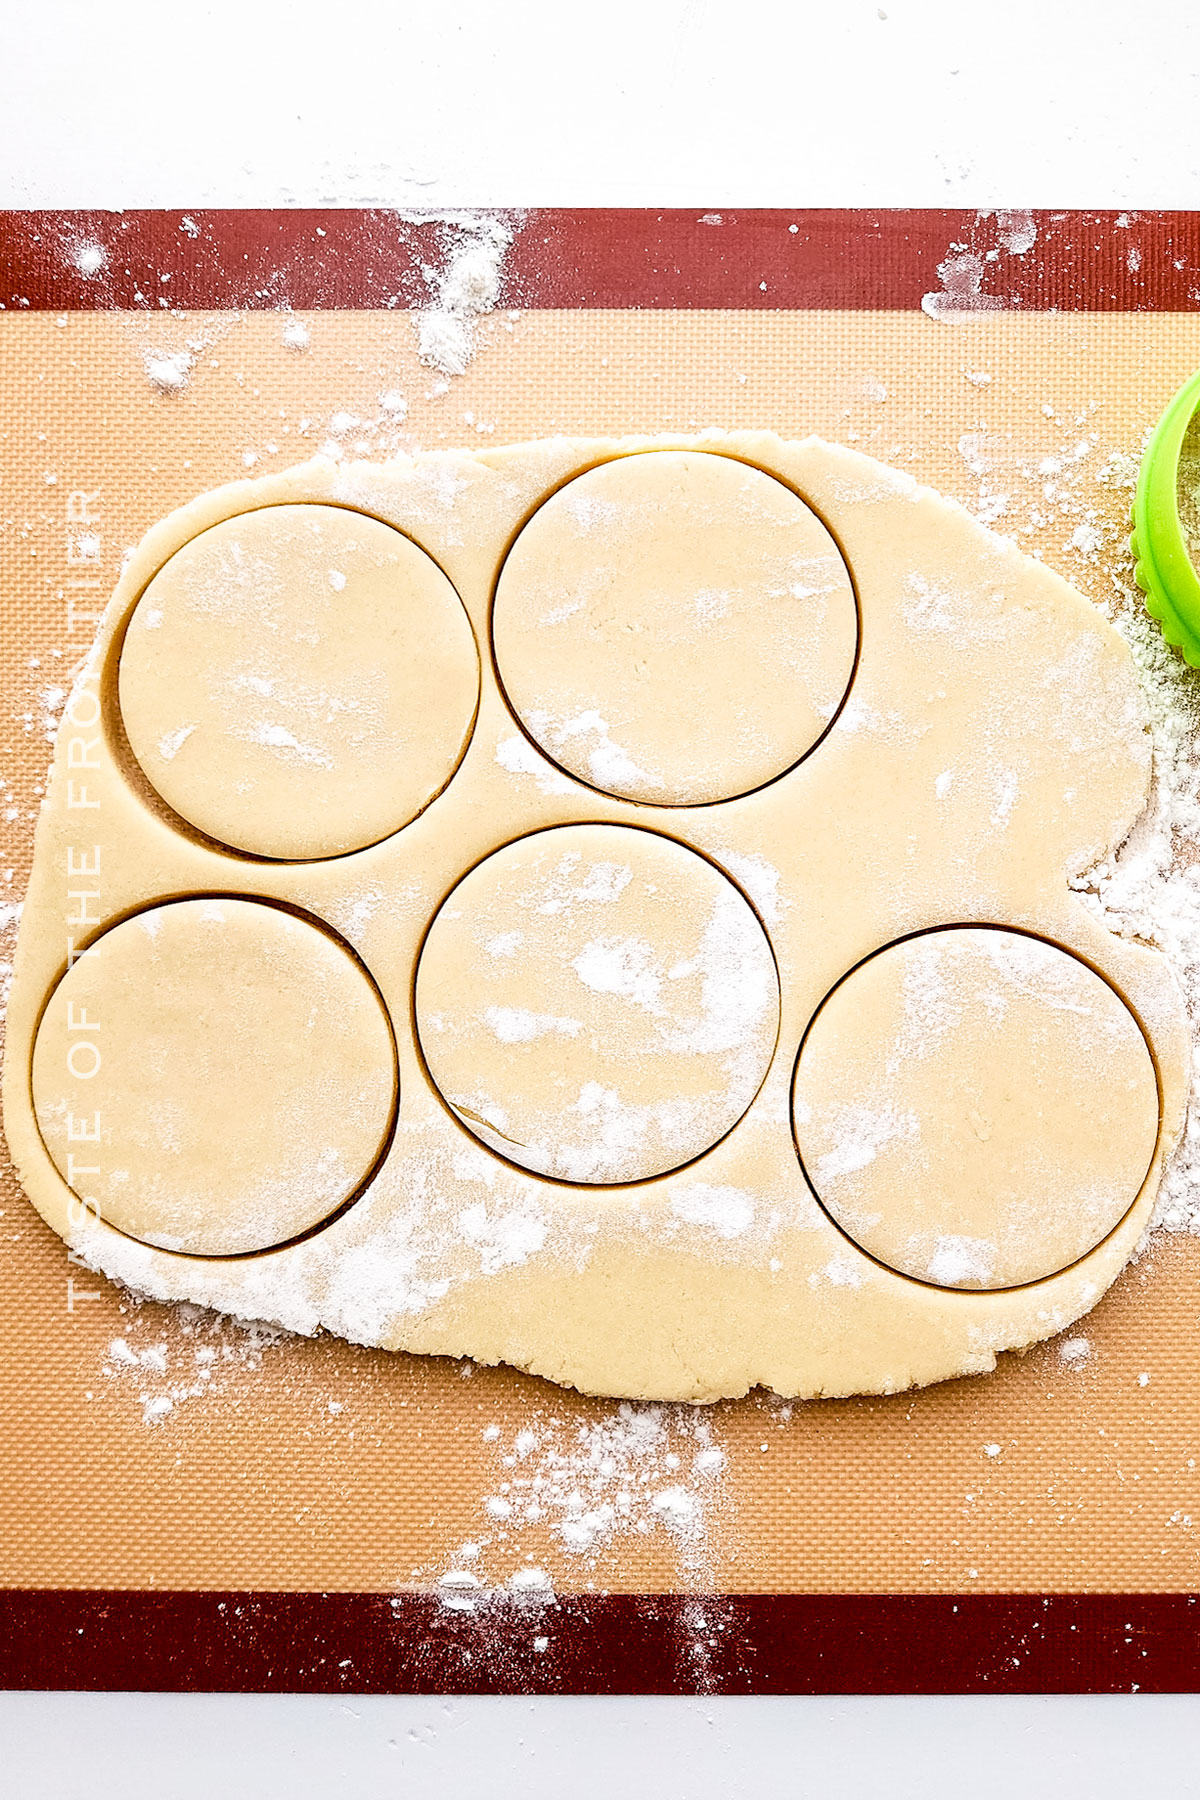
612	1644
411	1643
608	257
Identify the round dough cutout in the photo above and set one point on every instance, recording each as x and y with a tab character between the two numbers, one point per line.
975	1108
597	1003
237	1064
299	681
675	627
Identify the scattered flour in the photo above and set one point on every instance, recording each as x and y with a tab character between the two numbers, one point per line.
957	1260
168	370
726	1210
278	737
467	286
517	1025
171	742
10	919
1150	890
961	274
862	1133
161	1370
90	259
965	272
579	1488
518	756
610	765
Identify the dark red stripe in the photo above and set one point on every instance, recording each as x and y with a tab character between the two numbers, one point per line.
606	256
784	1644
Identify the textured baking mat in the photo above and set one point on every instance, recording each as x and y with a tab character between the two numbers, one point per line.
188	1502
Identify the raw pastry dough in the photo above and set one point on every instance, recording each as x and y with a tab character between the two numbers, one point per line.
599	1004
216	1076
990	746
675	627
982	1079
298	681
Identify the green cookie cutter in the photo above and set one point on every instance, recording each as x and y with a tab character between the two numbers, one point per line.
1162	567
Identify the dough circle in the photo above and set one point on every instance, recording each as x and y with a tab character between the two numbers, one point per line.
238	1065
675	627
597	1003
299	681
975	1108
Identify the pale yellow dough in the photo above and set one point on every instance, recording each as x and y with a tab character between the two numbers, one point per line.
217	1076
599	1004
298	681
768	748
981	1081
675	629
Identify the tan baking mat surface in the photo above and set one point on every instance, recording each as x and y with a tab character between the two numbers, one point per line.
313	1465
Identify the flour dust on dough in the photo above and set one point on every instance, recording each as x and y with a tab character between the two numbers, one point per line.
599	1004
298	681
979	1079
764	734
675	627
215	1076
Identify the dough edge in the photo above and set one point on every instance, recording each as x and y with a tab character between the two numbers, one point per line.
493	1318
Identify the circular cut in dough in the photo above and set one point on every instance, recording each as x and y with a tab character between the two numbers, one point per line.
237	1064
975	1108
597	1003
675	627
299	681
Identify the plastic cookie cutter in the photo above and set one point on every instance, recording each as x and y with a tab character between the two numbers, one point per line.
1163	568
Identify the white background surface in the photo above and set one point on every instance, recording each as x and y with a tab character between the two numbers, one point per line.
704	103
231	1747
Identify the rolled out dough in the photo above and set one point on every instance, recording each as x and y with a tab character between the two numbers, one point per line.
298	681
675	627
216	1077
979	1078
762	734
599	1004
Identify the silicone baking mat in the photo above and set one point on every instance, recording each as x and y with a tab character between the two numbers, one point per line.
282	1521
